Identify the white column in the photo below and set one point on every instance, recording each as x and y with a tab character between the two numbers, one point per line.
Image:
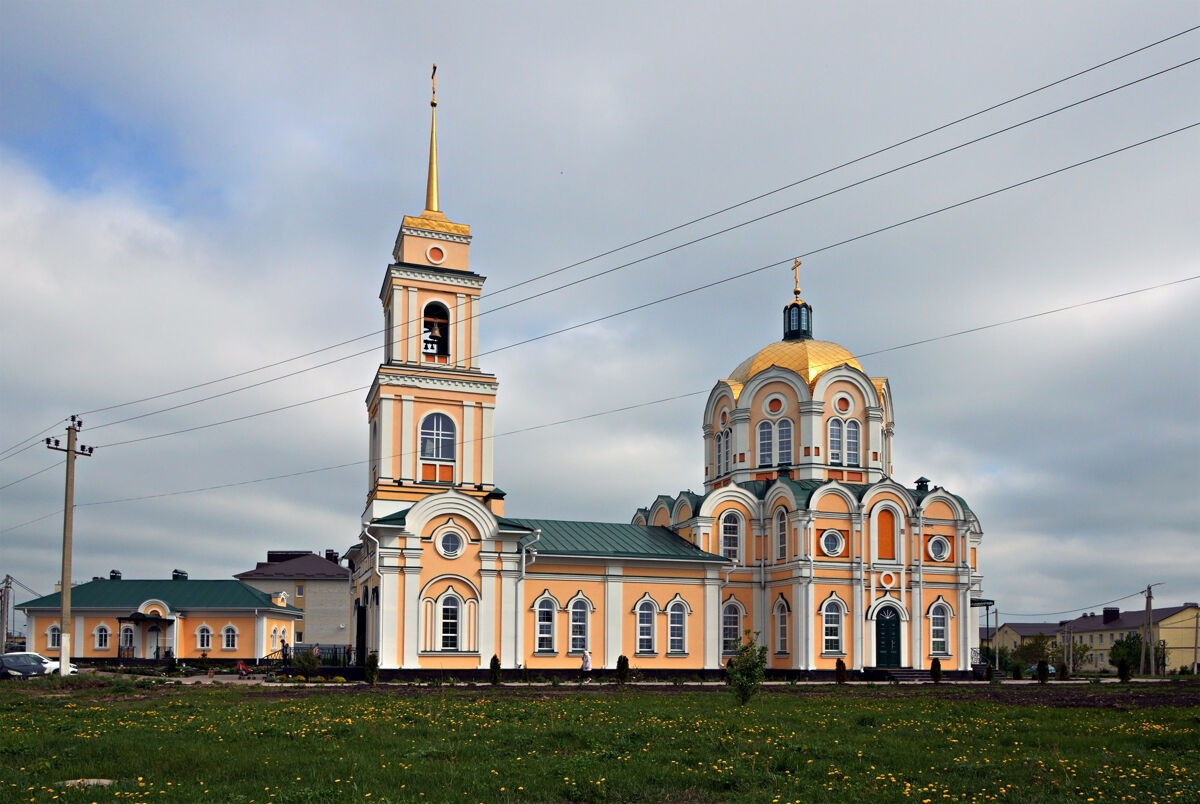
485	471
413	341
467	475
462	311
260	636
407	460
614	613
510	619
712	621
383	449
396	319
487	609
474	308
390	613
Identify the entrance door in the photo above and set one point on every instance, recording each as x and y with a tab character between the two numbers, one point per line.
887	637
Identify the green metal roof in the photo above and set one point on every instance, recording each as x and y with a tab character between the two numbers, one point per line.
178	595
391	519
599	539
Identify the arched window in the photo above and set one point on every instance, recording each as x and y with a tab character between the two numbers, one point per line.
645	627
101	635
229	638
204	638
832	616
127	636
274	639
731	536
939	619
835	441
781	535
54	637
731	628
852	443
545	626
450	619
784	432
677	628
579	626
781	627
437	448
766	437
435	333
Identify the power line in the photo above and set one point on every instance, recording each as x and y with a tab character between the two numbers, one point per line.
623	409
749	272
677	227
1069	611
34	474
33	437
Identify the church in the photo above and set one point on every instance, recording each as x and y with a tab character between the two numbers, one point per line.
800	535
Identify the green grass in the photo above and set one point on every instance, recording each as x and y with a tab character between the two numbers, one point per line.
805	743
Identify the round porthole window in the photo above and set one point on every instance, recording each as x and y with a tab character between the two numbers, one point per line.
450	544
832	543
939	548
435	255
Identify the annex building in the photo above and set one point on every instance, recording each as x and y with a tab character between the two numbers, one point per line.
800	533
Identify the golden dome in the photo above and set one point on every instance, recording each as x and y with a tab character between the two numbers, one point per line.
808	358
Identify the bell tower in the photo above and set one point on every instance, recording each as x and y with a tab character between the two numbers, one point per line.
430	408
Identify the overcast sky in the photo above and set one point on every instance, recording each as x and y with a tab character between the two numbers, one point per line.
189	192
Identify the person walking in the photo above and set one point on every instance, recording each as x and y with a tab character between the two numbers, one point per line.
585	666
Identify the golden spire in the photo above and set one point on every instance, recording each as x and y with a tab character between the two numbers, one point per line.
796	271
431	188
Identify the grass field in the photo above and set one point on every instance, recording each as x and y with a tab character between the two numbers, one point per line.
974	743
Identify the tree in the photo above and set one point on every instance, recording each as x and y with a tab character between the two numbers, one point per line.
747	668
1128	648
307	664
622	669
371	668
1033	650
494	670
1002	653
1078	653
935	671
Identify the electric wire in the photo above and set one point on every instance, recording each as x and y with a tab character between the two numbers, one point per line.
677	227
622	409
690	243
741	275
1066	611
33	474
30	438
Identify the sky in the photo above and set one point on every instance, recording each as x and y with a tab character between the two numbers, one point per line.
191	192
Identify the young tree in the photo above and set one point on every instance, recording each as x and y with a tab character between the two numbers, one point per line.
494	670
747	668
1128	648
307	664
935	671
1033	650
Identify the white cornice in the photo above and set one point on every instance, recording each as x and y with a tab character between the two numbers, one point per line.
432	235
414	380
408	271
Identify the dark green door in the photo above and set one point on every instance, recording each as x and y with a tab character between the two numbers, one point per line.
887	637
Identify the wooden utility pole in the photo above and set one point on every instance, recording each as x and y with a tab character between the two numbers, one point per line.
65	625
1146	632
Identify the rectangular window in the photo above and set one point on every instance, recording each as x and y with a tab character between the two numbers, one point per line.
299	590
835	441
937	631
782	632
645	630
545	629
230	639
450	625
731	622
675	630
765	439
785	442
833	632
579	629
54	638
852	444
102	638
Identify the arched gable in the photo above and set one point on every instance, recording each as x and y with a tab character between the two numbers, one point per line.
791	379
660	513
154	605
890	491
888	600
721	393
833	498
433	588
719	502
452	503
847	373
682	511
941	505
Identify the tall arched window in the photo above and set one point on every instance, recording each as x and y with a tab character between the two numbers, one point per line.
731	628
835	441
852	458
579	626
677	628
784	433
437	448
127	636
832	617
731	536
450	620
781	627
229	638
274	639
645	627
54	637
939	619
435	333
204	638
766	437
102	634
545	626
780	535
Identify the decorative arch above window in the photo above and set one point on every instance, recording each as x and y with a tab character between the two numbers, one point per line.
438	448
229	637
939	629
833	613
101	635
435	333
731	536
544	609
54	637
646	611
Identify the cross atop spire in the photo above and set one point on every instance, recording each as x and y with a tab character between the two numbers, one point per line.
431	186
796	271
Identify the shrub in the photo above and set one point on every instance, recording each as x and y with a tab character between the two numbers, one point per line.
371	670
556	681
1123	670
747	668
494	670
935	670
338	680
1016	672
525	679
1062	672
840	672
677	681
1043	671
307	664
622	669
989	674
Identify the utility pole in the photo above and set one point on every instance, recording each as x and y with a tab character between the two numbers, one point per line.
65	625
4	593
1196	646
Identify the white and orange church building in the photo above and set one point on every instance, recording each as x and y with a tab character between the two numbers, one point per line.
800	535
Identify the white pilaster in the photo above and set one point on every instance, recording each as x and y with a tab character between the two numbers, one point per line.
413	341
485	474
382	449
614	613
468	444
410	578
461	330
396	319
407	460
474	308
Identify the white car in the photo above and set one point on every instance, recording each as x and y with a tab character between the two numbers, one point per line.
50	664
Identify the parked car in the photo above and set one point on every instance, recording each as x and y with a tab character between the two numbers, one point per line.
21	665
1032	671
50	665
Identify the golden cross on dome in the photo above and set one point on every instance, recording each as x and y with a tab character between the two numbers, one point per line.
796	271
433	79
